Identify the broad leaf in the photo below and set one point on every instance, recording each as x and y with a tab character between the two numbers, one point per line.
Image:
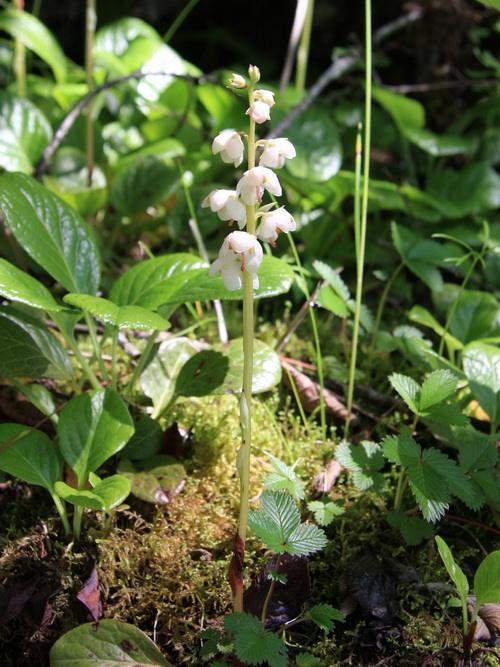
266	367
436	387
413	529
107	493
51	232
476	316
422	316
92	427
36	37
29	455
29	349
116	37
146	441
123	317
18	285
487	580
324	615
105	644
439	145
472	190
453	569
482	368
24	133
421	256
157	479
69	180
142	183
404	111
202	374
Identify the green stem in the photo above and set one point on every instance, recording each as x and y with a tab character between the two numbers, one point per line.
357	190
179	20
114	347
380	309
20	57
61	508
87	371
364	209
455	303
296	394
303	50
141	362
90	25
77	521
317	343
269	594
95	345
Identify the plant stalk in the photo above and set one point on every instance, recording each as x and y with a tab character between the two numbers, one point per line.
380	309
77	521
95	344
269	595
114	348
364	209
303	50
61	508
90	26
20	57
141	362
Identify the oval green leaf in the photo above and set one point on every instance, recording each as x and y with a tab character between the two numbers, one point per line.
123	317
141	183
29	455
487	580
18	285
482	368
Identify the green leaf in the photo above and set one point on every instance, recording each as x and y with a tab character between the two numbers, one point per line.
157	479
333	279
29	455
429	486
139	184
404	111
487	580
472	190
29	349
307	660
18	285
491	3
401	449
266	367
325	511
306	539
422	316
440	145
477	451
482	368
253	644
437	387
51	232
278	517
275	277
413	529
69	180
324	615
453	569
147	283
420	256
330	301
36	37
476	316
202	374
363	460
319	148
123	317
283	478
407	388
116	37
105	495
146	441
104	644
24	133
159	377
92	427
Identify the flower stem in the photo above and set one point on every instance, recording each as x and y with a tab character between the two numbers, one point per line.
364	209
77	521
269	594
246	398
95	344
114	347
141	363
303	50
20	57
90	25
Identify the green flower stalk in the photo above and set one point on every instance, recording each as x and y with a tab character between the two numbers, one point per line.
240	256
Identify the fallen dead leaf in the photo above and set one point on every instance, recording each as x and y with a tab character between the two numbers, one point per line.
90	595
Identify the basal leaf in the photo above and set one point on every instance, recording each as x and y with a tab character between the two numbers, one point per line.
18	285
482	368
107	494
266	367
123	317
487	580
453	569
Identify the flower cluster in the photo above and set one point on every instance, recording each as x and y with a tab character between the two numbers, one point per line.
241	251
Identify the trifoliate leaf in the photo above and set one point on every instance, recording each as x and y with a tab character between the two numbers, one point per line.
325	512
429	486
437	386
253	644
305	539
363	459
401	449
407	388
413	529
448	414
276	520
324	615
284	478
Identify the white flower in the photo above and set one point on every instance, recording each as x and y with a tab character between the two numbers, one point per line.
274	222
266	96
237	81
227	206
276	151
230	146
259	112
252	184
254	73
240	252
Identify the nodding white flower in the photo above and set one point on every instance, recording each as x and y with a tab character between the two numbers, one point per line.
274	222
254	73
230	146
252	184
266	96
227	206
240	252
259	112
237	81
276	151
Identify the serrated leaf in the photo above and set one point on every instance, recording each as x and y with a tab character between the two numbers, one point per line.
92	427
306	539
29	455
401	449
476	315
253	644
477	451
325	512
364	460
482	368
413	529
448	414
429	487
324	615
407	388
103	644
123	317
29	349
487	580
284	478
453	569
51	232
282	510
19	286
333	279
437	386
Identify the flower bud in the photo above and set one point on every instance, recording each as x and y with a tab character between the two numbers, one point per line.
266	96
259	112
254	73
237	81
